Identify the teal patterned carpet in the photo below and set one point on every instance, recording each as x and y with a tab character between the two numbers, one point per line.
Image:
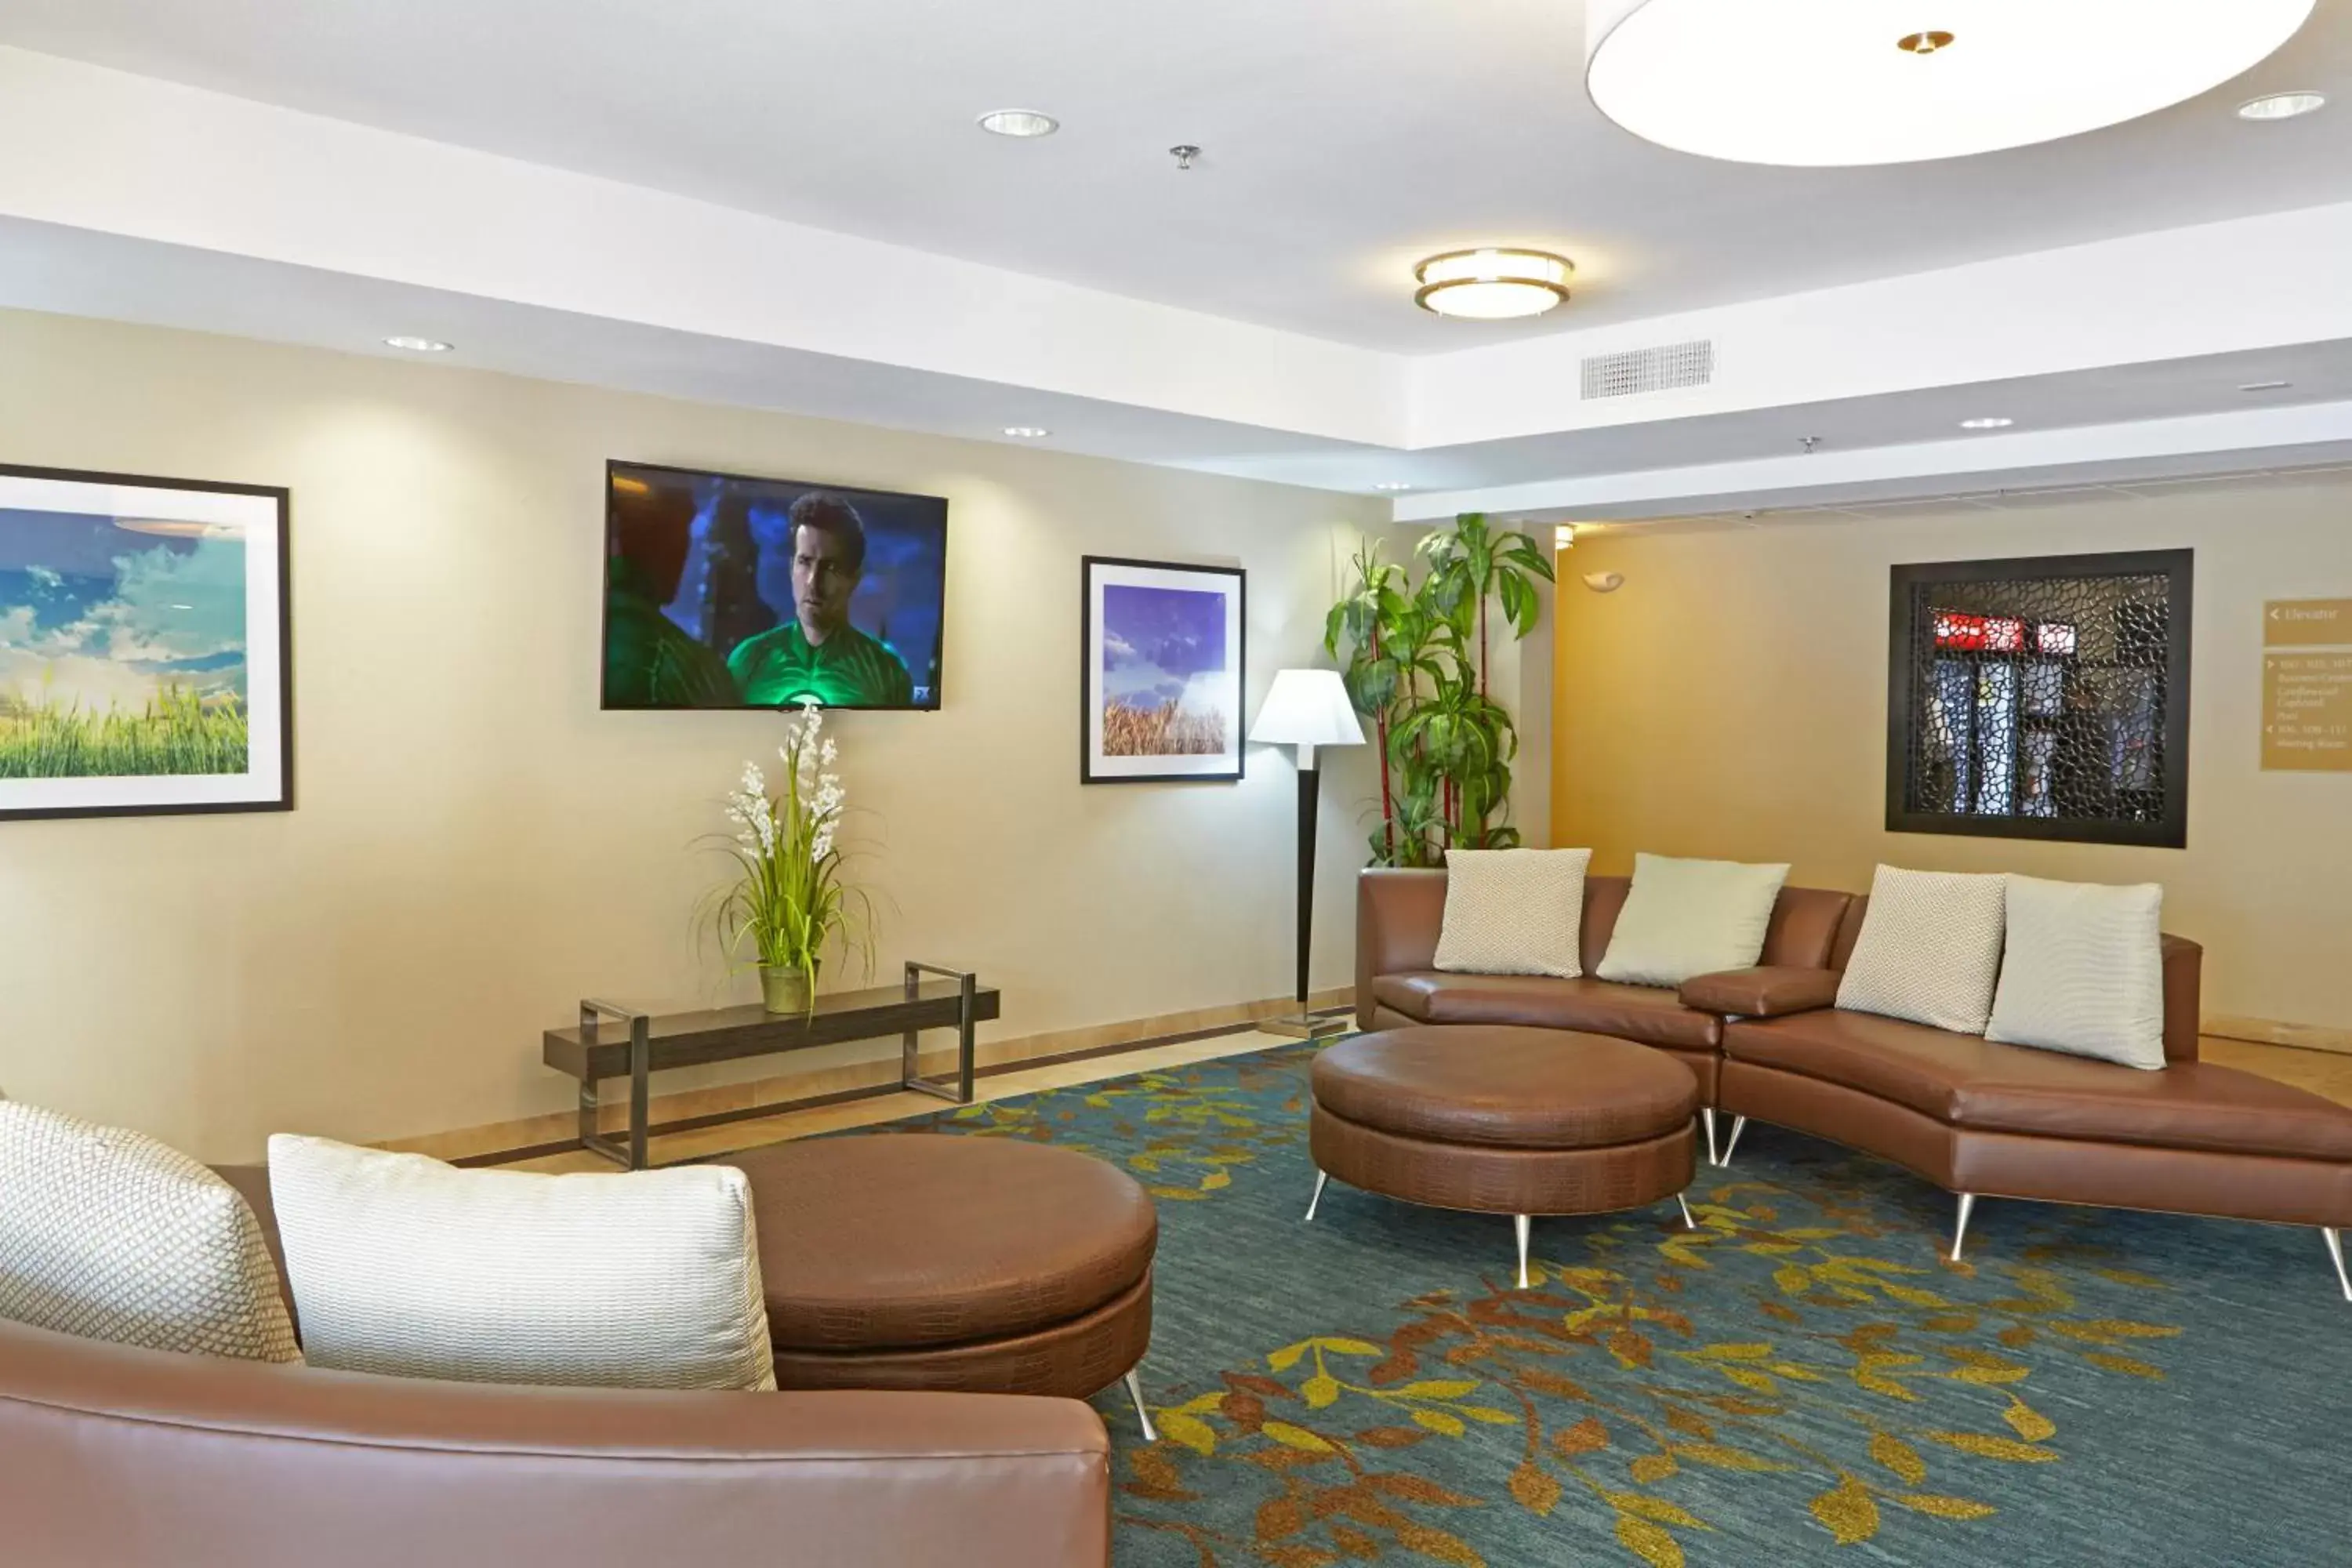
1804	1379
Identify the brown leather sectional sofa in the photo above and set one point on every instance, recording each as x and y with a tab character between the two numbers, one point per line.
135	1458
1974	1118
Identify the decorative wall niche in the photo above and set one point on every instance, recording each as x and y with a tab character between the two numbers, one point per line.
2042	698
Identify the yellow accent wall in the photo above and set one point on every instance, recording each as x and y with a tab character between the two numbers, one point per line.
1730	700
477	847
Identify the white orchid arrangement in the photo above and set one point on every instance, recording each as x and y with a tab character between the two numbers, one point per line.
789	901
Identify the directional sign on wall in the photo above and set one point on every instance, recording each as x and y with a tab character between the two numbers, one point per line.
2307	693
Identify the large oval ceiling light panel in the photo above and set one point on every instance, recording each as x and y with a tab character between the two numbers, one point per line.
1824	83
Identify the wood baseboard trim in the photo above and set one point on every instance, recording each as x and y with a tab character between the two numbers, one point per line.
504	1142
2272	1032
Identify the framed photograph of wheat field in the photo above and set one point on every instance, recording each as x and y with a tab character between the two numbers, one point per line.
144	632
1160	692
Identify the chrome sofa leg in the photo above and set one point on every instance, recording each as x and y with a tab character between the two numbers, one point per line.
1688	1223
1135	1391
1320	1177
1960	1230
1739	1125
1519	1225
2334	1239
1706	1120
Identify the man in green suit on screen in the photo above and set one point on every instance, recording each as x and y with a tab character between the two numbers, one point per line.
818	654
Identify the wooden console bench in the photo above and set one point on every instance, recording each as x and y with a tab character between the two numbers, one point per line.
642	1043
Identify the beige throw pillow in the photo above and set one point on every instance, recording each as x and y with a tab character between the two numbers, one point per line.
1513	911
1929	950
113	1235
2082	972
407	1267
1685	918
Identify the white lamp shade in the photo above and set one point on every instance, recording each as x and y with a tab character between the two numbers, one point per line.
1307	707
1828	82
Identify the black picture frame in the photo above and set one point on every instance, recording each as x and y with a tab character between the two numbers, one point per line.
1232	580
607	703
280	780
2167	830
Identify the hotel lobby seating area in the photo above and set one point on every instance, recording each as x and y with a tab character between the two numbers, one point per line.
1072	786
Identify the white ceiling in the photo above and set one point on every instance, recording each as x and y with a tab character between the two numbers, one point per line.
1342	140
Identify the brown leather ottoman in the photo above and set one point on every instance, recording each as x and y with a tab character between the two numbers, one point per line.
1497	1119
929	1262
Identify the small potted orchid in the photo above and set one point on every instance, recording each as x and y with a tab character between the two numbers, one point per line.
788	902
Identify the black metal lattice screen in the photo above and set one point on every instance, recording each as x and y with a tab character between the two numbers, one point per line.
2042	698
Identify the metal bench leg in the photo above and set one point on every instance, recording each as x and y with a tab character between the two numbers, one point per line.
1135	1393
1960	1230
1707	1121
1688	1223
1320	1178
1519	1227
2334	1239
1739	1125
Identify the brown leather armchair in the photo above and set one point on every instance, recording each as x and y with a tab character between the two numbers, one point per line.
117	1457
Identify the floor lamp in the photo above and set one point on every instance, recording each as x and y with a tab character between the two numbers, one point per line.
1307	709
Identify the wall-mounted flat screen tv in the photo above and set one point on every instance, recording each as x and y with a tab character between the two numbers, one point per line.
722	591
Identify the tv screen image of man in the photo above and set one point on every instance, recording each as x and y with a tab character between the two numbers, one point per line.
818	655
650	661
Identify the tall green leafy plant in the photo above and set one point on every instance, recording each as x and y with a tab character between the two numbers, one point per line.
1416	658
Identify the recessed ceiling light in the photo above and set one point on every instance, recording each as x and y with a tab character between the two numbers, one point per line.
2282	105
1024	124
1391	485
1492	284
1989	422
1027	432
419	345
1829	83
2266	386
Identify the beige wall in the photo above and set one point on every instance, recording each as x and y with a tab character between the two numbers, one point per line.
477	846
1730	700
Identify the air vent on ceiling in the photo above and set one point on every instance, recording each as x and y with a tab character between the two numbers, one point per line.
1667	369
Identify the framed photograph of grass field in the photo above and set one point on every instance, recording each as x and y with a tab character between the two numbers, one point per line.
1161	691
144	646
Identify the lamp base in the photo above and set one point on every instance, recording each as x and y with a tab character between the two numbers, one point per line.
1303	1026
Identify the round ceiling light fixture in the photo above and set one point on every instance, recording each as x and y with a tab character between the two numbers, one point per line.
1025	124
419	345
1493	283
1989	422
1834	83
2283	105
1027	432
1391	485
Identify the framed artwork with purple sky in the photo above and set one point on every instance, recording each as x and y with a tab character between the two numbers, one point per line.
1161	691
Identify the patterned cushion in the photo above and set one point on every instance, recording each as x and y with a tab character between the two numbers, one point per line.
2083	972
1684	918
407	1267
1929	950
113	1235
1513	911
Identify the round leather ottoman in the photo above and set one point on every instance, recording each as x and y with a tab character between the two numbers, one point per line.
935	1261
1499	1120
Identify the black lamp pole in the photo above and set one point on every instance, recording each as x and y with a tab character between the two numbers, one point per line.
1305	1024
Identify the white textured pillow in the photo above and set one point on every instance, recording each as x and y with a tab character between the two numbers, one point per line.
407	1267
2083	972
113	1235
1929	950
1513	911
1684	918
